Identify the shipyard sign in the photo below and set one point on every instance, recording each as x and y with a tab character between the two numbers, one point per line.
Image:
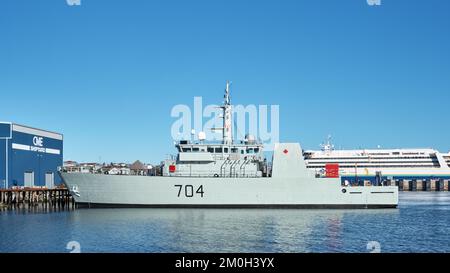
38	141
38	146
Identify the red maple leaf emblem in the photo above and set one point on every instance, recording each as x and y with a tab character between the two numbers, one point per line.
285	151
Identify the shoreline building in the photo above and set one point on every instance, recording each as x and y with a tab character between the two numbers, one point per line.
29	157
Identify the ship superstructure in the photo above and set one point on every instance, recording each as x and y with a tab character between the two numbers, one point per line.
224	159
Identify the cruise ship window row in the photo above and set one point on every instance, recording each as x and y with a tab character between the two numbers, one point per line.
374	162
379	166
366	158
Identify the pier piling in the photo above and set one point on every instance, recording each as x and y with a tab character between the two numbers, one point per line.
440	185
419	186
406	185
431	185
33	197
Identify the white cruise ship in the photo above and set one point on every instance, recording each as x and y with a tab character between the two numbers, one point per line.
369	164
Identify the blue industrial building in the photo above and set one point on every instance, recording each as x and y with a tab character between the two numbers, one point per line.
29	157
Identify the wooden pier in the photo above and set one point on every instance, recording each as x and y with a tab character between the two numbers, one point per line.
58	198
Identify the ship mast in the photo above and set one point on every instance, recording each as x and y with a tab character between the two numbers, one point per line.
227	117
327	146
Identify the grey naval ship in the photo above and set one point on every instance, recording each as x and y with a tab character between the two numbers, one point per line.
230	174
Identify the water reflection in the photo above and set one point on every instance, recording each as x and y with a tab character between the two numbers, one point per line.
212	230
419	225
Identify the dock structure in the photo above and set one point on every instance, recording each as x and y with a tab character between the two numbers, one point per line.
412	184
58	198
422	185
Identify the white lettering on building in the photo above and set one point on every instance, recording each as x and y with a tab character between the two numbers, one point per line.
38	141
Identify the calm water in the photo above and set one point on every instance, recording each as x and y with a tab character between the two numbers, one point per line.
421	224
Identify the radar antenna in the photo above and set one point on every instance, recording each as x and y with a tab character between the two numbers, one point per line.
327	146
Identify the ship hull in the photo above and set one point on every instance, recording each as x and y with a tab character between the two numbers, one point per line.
237	206
96	190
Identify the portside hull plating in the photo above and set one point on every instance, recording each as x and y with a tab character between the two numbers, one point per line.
95	190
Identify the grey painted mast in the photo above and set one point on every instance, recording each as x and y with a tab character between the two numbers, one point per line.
227	117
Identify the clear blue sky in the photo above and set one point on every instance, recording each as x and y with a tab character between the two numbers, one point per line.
107	73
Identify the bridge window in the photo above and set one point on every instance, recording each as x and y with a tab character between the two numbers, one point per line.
234	150
195	149
210	150
225	150
218	150
186	150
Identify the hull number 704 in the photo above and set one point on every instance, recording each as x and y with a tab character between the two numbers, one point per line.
188	191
